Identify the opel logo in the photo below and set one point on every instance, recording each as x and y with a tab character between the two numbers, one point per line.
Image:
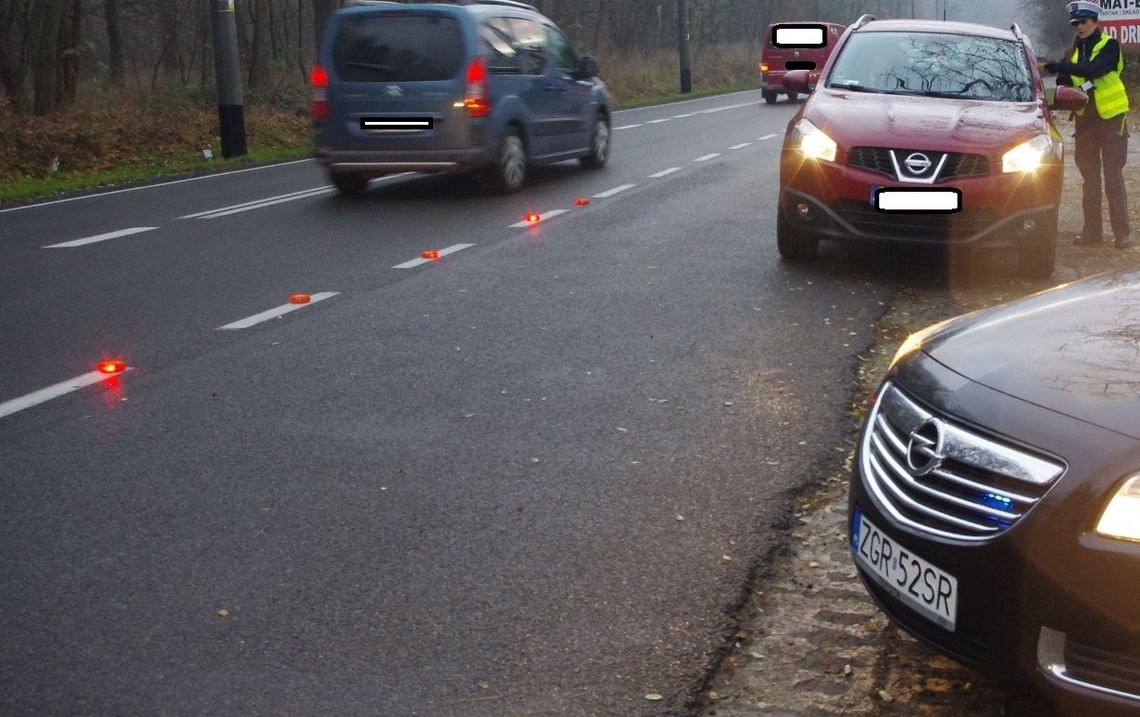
393	91
924	451
917	163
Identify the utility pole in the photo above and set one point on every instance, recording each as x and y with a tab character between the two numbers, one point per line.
227	70
683	46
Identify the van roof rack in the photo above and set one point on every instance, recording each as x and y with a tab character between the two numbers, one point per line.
864	19
507	3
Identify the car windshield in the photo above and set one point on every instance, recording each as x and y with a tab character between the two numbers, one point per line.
933	65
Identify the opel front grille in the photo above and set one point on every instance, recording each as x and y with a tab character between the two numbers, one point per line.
938	477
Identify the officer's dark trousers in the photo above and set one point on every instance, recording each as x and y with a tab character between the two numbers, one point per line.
1102	144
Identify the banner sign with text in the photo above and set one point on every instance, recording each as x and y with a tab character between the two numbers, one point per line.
1121	19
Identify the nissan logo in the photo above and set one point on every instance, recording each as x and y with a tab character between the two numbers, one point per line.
924	451
917	163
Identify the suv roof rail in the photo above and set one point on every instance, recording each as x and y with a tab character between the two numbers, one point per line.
864	19
508	3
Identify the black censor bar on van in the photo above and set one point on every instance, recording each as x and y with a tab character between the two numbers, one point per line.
396	124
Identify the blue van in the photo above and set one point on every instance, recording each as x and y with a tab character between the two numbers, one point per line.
481	85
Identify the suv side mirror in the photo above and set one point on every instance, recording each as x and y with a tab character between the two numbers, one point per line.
798	81
587	67
1068	98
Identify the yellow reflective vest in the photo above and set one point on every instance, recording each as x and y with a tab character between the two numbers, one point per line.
1110	96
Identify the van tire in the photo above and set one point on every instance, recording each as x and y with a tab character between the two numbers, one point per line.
351	184
769	96
600	142
508	171
793	96
794	245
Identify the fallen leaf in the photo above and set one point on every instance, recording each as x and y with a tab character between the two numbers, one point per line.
483	684
885	696
223	613
622	430
654	697
680	517
848	671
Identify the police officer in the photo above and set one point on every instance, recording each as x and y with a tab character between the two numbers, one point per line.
1101	133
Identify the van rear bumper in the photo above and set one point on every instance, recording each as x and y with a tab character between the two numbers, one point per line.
444	160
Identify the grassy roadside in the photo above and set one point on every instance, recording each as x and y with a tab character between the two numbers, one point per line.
110	139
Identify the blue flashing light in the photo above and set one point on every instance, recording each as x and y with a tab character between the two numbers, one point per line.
997	502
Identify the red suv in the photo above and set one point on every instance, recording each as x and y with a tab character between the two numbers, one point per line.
925	132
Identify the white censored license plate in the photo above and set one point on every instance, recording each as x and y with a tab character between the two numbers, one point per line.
931	591
933	201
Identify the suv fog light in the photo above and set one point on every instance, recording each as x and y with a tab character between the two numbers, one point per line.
1028	225
804	211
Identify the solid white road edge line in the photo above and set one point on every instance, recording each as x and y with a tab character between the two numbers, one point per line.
628	126
100	237
279	311
742	145
706	157
616	190
543	216
46	394
217	214
665	172
442	253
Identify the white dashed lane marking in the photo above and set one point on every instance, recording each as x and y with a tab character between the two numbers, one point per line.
767	136
278	311
742	145
659	121
706	157
616	190
682	116
628	126
46	394
665	172
99	238
541	217
442	253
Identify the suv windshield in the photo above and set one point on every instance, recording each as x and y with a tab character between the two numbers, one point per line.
398	48
934	65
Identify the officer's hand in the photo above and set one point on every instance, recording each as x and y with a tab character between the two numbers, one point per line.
1051	67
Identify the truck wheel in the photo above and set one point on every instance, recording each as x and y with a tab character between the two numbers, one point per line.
793	96
769	96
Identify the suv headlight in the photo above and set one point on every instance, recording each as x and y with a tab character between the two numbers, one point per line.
1121	519
1027	156
814	143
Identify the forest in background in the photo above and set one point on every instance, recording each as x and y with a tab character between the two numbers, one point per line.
126	87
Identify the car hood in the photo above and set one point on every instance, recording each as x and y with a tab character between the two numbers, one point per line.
906	121
1074	349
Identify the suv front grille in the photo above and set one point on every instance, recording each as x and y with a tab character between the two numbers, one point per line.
935	476
915	227
878	159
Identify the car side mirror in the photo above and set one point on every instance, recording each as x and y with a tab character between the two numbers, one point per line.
587	67
798	81
1068	98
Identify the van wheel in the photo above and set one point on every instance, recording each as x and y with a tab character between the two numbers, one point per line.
352	184
793	96
1039	259
508	172
794	245
599	146
769	96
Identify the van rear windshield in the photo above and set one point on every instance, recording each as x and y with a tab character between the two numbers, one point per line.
398	48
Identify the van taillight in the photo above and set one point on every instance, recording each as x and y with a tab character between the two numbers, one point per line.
475	99
319	79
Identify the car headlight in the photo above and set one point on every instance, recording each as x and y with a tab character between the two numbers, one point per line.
1027	156
1121	519
814	143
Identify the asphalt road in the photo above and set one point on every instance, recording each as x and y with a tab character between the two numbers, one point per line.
531	477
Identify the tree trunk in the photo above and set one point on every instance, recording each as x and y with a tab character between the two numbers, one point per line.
70	27
45	54
114	38
321	11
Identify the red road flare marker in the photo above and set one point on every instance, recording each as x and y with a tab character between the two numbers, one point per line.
430	254
533	217
581	202
299	298
112	366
